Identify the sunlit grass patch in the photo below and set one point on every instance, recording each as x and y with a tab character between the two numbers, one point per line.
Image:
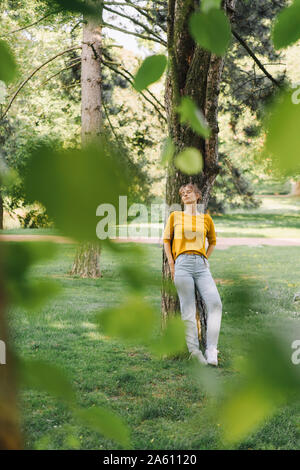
158	398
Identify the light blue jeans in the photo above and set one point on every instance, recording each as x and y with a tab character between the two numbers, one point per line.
192	270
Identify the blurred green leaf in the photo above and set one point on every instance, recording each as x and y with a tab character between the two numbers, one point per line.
286	30
268	380
167	151
282	133
76	6
17	261
46	377
8	68
211	30
31	294
71	184
189	161
207	5
208	379
106	423
134	320
139	277
189	113
9	177
134	250
172	340
150	71
244	412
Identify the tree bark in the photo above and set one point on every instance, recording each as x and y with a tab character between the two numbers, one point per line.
87	259
295	188
86	263
10	435
1	212
196	73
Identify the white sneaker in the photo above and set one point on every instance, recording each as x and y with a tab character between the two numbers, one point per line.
211	355
199	356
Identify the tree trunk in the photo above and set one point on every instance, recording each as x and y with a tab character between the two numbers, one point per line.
86	263
1	212
196	73
295	188
10	436
87	259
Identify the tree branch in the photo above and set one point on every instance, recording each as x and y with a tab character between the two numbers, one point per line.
32	74
138	23
107	64
57	73
32	24
132	77
142	11
122	4
148	38
110	123
258	62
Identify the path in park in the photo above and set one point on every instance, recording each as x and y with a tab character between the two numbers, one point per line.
222	243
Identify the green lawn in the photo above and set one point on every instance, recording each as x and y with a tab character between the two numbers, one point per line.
277	217
274	225
160	400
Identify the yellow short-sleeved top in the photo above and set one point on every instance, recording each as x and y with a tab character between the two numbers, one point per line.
187	233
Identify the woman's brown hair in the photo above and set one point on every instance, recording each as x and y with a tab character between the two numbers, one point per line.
194	188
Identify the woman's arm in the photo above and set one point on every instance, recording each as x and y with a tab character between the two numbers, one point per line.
211	237
209	250
168	251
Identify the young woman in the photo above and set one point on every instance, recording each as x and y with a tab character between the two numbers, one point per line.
184	244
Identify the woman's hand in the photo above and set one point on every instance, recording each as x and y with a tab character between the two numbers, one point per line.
172	270
168	251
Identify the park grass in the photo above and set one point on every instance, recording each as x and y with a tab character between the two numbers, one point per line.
262	225
159	399
277	217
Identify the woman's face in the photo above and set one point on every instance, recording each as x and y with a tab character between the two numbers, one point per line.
188	195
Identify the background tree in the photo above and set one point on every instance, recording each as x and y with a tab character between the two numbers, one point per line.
195	72
87	263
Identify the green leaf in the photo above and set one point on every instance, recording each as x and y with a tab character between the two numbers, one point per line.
71	184
190	113
76	6
282	133
244	412
211	30
22	289
286	30
189	161
150	71
269	379
46	377
134	320
8	68
138	276
106	423
172	340
207	5
168	151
